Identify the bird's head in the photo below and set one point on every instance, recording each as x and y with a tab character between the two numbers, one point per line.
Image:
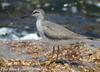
38	13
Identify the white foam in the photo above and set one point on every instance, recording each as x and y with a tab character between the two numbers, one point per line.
32	36
5	30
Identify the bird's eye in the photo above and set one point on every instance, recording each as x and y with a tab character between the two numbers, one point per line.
35	12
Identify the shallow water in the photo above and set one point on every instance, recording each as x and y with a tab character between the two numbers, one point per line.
20	27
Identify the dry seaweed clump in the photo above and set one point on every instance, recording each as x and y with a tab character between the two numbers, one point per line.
2	63
77	58
70	58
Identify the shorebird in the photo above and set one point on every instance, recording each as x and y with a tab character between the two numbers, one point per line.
51	31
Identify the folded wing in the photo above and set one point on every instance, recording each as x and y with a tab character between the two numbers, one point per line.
55	31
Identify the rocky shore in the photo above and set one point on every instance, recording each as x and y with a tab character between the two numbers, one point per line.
38	56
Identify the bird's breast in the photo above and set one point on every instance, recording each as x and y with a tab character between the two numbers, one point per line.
39	27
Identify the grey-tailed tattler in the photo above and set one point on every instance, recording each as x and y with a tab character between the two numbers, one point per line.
53	32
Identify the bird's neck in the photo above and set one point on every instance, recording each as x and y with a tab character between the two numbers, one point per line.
39	22
39	26
40	17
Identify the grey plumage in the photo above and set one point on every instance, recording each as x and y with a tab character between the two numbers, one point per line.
50	30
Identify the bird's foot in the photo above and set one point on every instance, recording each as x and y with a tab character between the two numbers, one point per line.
48	62
54	56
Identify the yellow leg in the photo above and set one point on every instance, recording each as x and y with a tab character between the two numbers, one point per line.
51	58
58	51
53	51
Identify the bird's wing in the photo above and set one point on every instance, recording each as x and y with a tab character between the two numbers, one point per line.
55	31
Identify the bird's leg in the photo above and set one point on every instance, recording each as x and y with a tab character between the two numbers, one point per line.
53	51
58	51
51	59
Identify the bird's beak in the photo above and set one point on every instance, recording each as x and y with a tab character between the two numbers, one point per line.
26	16
33	13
